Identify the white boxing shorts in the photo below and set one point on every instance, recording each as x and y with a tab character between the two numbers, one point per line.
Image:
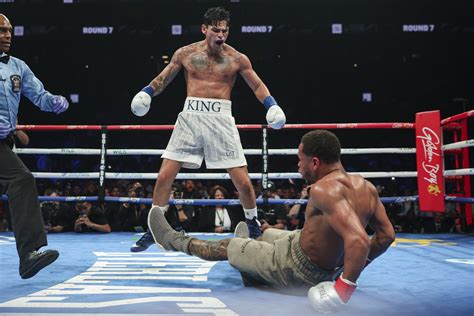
206	129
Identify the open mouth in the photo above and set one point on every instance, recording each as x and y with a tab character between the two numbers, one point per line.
219	42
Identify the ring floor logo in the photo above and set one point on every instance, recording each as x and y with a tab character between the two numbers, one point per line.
120	280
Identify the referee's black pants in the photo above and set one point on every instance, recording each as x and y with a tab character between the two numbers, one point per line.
17	182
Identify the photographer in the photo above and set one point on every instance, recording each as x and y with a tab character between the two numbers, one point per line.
181	217
296	215
57	216
132	216
272	215
90	219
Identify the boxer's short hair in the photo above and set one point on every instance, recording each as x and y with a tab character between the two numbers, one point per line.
216	14
323	145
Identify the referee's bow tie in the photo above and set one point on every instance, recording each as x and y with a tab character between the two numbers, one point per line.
4	59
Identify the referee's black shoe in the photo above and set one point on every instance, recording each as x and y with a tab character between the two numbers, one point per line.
34	261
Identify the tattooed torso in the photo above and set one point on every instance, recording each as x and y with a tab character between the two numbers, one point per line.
211	76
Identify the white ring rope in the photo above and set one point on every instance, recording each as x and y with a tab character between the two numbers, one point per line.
463	144
208	176
225	176
121	152
459	172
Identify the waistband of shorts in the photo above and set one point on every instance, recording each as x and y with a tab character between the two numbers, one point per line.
304	263
208	106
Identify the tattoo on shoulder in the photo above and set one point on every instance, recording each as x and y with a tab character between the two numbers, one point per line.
237	57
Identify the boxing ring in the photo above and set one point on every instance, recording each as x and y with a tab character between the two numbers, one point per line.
420	274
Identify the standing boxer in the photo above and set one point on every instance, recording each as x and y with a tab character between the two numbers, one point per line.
205	128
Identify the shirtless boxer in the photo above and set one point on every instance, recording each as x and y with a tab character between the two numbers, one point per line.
339	208
205	128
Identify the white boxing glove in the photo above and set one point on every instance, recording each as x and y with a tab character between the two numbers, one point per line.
275	116
141	101
330	297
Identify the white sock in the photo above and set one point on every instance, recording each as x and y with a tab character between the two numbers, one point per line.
250	213
163	209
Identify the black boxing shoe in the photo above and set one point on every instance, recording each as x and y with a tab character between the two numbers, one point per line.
34	261
254	228
143	243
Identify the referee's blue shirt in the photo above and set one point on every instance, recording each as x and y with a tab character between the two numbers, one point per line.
16	78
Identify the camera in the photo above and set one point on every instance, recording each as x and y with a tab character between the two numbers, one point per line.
48	209
139	192
177	194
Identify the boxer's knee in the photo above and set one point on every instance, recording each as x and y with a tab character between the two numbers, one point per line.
164	180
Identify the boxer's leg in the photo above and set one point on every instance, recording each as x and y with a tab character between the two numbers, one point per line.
240	178
166	176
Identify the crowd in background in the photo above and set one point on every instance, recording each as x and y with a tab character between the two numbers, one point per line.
117	216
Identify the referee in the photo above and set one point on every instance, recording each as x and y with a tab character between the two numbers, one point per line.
16	181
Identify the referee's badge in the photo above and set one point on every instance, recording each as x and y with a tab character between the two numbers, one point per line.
16	83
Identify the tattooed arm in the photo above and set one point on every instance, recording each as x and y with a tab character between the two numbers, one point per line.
276	118
252	79
169	73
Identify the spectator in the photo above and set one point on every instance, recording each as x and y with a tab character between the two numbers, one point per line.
57	216
112	210
180	217
90	219
132	216
410	223
272	215
219	218
296	214
435	224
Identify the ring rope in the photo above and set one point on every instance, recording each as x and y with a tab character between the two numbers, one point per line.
459	172
393	125
458	145
121	152
219	176
206	176
457	117
204	202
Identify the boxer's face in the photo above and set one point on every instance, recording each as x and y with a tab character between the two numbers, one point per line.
5	34
307	166
216	34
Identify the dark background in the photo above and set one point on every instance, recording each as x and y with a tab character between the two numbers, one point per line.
310	72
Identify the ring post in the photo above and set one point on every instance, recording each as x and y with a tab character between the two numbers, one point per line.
264	157
103	152
429	161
